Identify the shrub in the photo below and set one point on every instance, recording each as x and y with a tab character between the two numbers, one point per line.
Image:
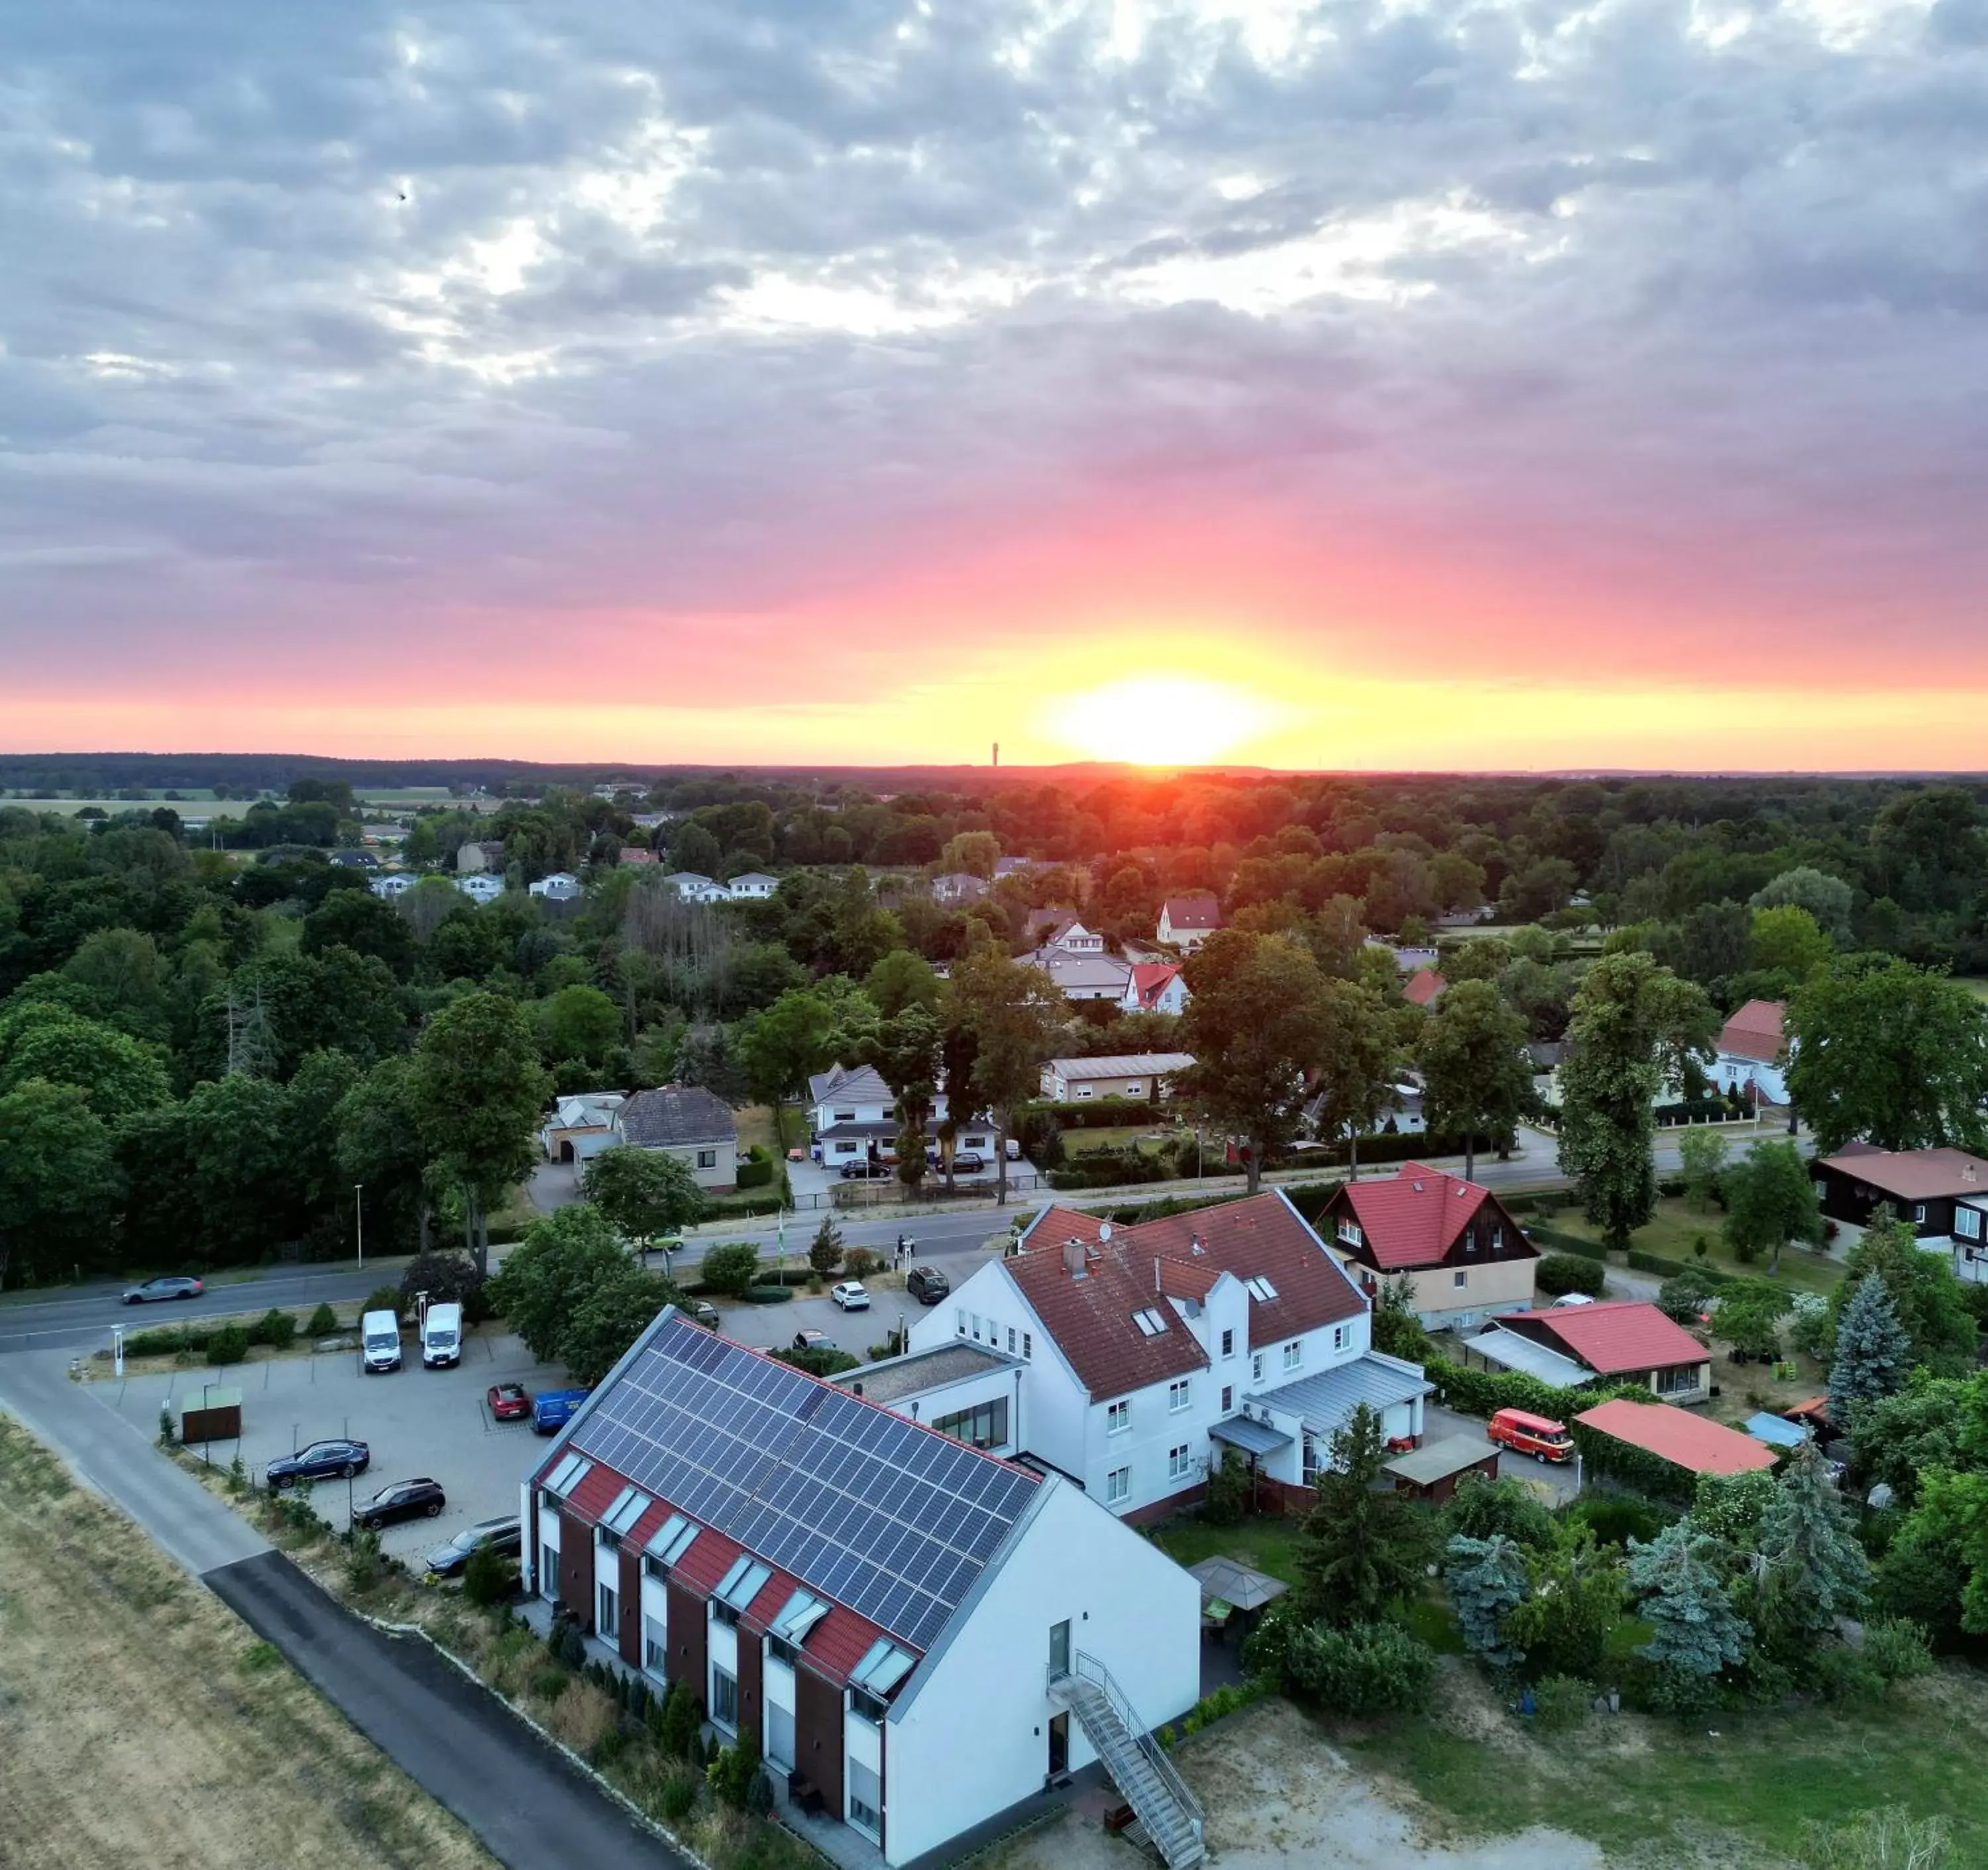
238	1474
1562	1273
755	1172
859	1262
323	1322
733	1268
674	1797
819	1360
1683	1297
489	1578
1891	1839
1560	1702
1898	1649
448	1279
1676	1693
677	1731
759	1794
1219	1705
1371	1668
732	1773
569	1646
1615	1520
385	1298
276	1329
168	1434
365	1563
1227	1493
1845	1675
767	1295
228	1345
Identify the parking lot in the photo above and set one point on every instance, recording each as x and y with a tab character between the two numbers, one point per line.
417	1422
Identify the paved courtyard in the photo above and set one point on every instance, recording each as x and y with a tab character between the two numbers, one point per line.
417	1422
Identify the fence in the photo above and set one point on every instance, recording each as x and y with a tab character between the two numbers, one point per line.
894	1194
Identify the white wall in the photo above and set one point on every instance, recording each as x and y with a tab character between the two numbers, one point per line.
549	1535
974	1739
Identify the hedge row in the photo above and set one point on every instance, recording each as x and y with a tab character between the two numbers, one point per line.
1092	1114
1566	1243
1485	1392
755	1175
277	1329
1670	1268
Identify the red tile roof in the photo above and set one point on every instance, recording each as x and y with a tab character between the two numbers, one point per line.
635	854
1197	911
1617	1338
1676	1436
1913	1174
1415	1219
1423	986
596	1493
1091	1318
1757	1032
1150	980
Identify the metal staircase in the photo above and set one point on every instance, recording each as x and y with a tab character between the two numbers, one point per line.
1169	1814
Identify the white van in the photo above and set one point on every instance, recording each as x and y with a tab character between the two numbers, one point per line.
442	1337
380	1340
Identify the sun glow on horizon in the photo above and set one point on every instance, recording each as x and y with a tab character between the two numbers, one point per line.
1160	720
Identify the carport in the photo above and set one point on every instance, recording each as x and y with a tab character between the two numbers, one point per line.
1432	1472
1501	1350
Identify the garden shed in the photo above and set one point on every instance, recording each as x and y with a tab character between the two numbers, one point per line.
1432	1472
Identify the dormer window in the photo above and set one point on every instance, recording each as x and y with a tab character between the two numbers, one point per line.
1150	1323
1260	1288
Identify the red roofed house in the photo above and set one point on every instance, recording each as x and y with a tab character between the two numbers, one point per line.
1424	987
915	1631
1186	921
1141	1353
1465	1258
1625	1340
1156	987
1686	1440
1752	1052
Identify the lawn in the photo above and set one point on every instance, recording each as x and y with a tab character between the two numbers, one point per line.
141	1723
1264	1542
756	1126
1674	1231
1654	1792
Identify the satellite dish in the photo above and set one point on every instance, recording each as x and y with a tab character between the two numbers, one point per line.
1105	1230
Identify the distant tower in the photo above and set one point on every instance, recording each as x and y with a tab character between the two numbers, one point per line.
997	756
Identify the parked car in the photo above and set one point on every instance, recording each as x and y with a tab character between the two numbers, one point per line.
176	1286
553	1408
700	1311
379	1341
927	1284
811	1340
1570	1298
850	1295
1013	1148
1531	1435
405	1500
510	1401
967	1163
448	1560
320	1461
867	1171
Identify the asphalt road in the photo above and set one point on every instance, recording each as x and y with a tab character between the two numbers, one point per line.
530	1806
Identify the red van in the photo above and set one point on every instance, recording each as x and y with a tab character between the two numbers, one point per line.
1531	1435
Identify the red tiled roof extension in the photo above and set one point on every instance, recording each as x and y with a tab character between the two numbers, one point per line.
1617	1338
1757	1032
1415	1219
1423	986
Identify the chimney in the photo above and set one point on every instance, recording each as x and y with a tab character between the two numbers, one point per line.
1967	1171
1072	1258
1156	1272
1194	1244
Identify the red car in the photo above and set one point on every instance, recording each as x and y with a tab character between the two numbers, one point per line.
510	1401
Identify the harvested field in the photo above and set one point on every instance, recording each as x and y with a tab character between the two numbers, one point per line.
141	1723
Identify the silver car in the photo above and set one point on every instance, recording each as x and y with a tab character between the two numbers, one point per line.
176	1285
446	1561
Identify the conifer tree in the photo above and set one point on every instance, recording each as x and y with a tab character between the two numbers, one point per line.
1487	1578
1872	1352
1693	1624
1812	1569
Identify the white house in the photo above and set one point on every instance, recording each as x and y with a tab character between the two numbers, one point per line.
1186	921
755	886
851	1111
920	1634
480	885
581	1125
1145	1351
694	886
1752	1052
393	884
1124	1074
561	886
958	886
1082	973
1155	986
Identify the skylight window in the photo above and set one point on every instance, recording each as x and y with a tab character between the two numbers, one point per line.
1260	1287
630	1504
672	1539
568	1475
800	1614
1150	1323
741	1585
882	1668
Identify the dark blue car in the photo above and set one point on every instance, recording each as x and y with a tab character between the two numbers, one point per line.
321	1461
553	1408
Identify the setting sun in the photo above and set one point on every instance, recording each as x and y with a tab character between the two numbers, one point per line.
1160	720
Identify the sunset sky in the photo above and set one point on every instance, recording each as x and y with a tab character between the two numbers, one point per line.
1371	383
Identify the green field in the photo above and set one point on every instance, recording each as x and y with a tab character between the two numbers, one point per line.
1675	1229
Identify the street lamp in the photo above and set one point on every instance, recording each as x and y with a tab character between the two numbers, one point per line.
359	1219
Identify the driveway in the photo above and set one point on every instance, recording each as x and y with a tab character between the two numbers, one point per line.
1558	1480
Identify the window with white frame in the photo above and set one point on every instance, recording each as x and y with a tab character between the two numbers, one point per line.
1083	1091
1294	1353
1180	1463
1497	1237
1349	1232
1118	1417
1260	1288
607	1620
1919	1213
1028	1344
1967	1223
845	1116
1151	1322
866	1798
1339	1336
1228	1398
655	1644
959	1320
1178	1396
724	1698
1011	1341
1117	1486
1680	1377
1256	1367
1133	1088
1462	1278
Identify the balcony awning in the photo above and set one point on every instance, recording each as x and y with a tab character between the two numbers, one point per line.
1251	1436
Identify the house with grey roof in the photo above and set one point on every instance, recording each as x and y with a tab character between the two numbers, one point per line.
694	1125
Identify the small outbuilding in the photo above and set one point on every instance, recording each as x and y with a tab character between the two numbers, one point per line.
1689	1443
1433	1471
216	1416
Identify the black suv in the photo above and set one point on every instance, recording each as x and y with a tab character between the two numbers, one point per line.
404	1501
927	1284
321	1461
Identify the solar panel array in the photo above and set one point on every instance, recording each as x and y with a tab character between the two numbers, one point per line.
868	1508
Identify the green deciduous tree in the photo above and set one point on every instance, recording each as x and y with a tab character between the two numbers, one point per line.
1890	1052
1769	1201
781	1048
731	1269
1675	1580
1930	1302
1702	1154
1477	1080
479	1090
1359	1546
1008	1013
578	1023
1787	943
904	1051
1577	1594
59	1185
118	1074
642	1193
975	852
1873	1352
1635	1024
903	980
1895	1438
1828	899
608	1315
563	1256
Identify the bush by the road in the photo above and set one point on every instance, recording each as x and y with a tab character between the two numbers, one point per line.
1558	1273
228	1345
